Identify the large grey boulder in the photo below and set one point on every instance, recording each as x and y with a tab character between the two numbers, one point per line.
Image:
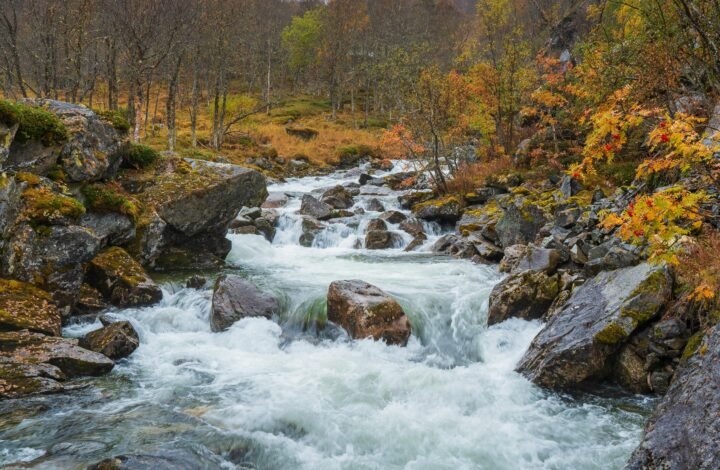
235	298
684	430
447	210
527	294
94	147
312	207
338	198
364	310
520	223
579	341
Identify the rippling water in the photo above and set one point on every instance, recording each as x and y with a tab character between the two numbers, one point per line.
283	395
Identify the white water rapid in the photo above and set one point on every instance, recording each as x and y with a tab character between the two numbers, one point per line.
281	395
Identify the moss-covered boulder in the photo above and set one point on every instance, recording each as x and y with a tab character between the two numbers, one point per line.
19	379
121	279
527	294
447	209
23	306
116	340
25	347
521	221
578	343
92	150
364	310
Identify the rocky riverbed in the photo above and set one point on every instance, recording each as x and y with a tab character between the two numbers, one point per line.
339	321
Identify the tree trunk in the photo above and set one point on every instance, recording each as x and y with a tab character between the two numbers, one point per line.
194	106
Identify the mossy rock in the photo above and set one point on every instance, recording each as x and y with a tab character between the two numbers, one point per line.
24	306
34	123
110	198
121	279
43	205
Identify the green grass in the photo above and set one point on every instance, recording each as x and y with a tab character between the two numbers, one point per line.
109	198
117	118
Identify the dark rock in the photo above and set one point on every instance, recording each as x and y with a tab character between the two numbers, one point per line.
393	217
454	245
376	224
165	460
568	217
275	201
116	340
610	255
250	213
314	208
235	298
19	379
412	198
364	178
32	156
541	260
684	430
519	225
121	279
380	240
24	306
338	198
526	295
266	228
412	226
578	342
112	228
448	210
7	134
310	227
195	282
416	242
512	256
90	300
374	205
569	186
304	133
598	195
364	310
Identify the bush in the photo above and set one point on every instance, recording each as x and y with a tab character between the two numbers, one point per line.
140	156
110	198
116	118
360	150
35	123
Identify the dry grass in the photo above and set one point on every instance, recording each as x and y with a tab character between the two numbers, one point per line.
470	176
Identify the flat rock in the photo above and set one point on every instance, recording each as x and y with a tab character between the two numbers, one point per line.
23	306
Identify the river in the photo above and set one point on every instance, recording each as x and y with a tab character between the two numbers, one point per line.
284	394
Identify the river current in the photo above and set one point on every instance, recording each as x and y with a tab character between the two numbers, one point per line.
284	394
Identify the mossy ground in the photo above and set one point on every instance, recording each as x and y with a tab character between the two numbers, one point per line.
43	205
110	197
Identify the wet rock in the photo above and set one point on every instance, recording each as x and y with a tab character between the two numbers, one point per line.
412	226
310	228
376	224
250	213
34	348
23	306
312	207
526	295
275	201
121	279
338	198
416	242
112	228
176	259
381	240
412	198
446	210
195	282
393	217
519	224
454	245
487	252
163	460
364	310
578	342
375	205
266	228
19	379
684	431
116	340
235	298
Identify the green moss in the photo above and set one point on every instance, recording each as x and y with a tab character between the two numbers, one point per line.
440	202
611	334
30	178
116	118
35	123
140	156
118	263
56	173
110	198
692	345
24	306
582	199
656	282
43	205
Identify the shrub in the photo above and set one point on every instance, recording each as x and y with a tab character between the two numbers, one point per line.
140	156
110	198
35	123
116	118
44	205
360	150
471	176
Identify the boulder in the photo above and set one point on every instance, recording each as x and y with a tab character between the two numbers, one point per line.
364	310
684	430
338	198
304	133
275	201
526	295
195	282
381	240
374	205
25	347
116	340
312	207
512	256
310	228
610	255
447	210
393	217
7	134
520	223
112	228
89	301
454	245
19	379
544	260
121	279
416	242
235	298
570	186
578	342
23	306
412	226
376	224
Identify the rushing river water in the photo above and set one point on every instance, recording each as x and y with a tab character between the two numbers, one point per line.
282	395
